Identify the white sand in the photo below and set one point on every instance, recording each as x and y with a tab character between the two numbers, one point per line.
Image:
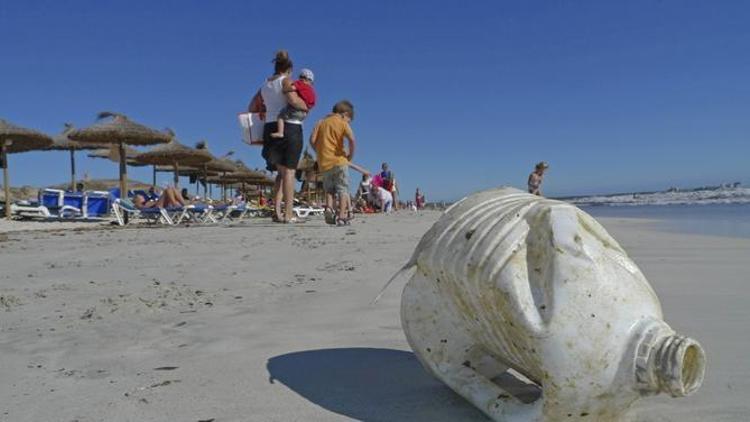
7	226
264	322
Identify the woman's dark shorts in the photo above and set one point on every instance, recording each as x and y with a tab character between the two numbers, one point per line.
282	151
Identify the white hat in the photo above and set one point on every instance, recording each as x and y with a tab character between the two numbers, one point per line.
307	74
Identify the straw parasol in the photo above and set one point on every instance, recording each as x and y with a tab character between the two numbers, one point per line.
307	162
15	139
245	175
176	155
120	131
113	153
216	165
61	142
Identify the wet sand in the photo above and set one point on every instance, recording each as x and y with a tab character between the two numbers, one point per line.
264	322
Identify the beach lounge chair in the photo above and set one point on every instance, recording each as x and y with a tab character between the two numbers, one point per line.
216	213
52	199
195	213
73	206
97	204
238	212
125	209
59	204
304	211
27	210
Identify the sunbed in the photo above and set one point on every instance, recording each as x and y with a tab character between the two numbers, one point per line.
238	212
125	209
55	204
303	211
196	213
27	210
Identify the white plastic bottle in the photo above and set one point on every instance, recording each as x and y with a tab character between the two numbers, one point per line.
510	280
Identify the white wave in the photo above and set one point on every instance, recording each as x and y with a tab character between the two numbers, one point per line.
713	195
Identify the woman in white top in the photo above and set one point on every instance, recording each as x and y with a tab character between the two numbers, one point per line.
281	154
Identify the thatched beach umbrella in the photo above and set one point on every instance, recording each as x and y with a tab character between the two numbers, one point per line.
113	154
224	165
196	172
221	165
246	176
120	131
61	142
199	175
176	155
15	139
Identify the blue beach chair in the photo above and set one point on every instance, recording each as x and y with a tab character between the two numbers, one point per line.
124	209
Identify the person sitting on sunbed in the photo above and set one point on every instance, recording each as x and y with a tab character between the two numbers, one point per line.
169	198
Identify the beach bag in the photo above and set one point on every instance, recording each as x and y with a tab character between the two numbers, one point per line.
252	128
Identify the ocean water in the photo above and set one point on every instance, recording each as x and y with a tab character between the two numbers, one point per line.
732	219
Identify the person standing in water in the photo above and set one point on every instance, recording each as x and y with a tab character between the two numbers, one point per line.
537	177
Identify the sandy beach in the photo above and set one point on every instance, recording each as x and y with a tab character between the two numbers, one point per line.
256	321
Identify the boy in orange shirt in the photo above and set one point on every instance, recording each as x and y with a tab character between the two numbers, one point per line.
333	159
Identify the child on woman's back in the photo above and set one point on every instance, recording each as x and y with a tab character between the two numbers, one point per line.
305	90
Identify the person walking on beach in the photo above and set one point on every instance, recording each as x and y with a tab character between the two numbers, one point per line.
281	154
333	159
537	177
419	199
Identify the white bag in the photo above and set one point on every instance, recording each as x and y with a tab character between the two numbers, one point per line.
252	128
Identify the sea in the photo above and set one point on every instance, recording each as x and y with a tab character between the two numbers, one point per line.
715	210
731	220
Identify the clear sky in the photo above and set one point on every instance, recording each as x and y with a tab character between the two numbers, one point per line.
456	95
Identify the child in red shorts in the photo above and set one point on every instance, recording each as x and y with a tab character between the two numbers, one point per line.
305	90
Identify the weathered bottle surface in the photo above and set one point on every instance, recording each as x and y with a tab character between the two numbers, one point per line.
509	280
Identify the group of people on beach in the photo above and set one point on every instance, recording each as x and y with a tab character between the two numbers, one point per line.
283	105
380	193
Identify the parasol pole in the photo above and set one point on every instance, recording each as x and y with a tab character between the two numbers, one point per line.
6	180
72	169
176	175
123	172
309	191
154	180
224	189
205	179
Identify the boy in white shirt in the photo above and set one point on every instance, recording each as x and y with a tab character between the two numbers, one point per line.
384	199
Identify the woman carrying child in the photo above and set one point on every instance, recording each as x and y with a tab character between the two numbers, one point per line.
281	154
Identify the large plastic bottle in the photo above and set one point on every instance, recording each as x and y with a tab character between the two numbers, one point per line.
510	280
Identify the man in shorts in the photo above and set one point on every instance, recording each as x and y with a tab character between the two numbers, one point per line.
333	159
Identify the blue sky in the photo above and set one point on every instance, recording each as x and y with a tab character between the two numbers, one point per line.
456	95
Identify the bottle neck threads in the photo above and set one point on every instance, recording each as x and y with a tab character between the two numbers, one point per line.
669	363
